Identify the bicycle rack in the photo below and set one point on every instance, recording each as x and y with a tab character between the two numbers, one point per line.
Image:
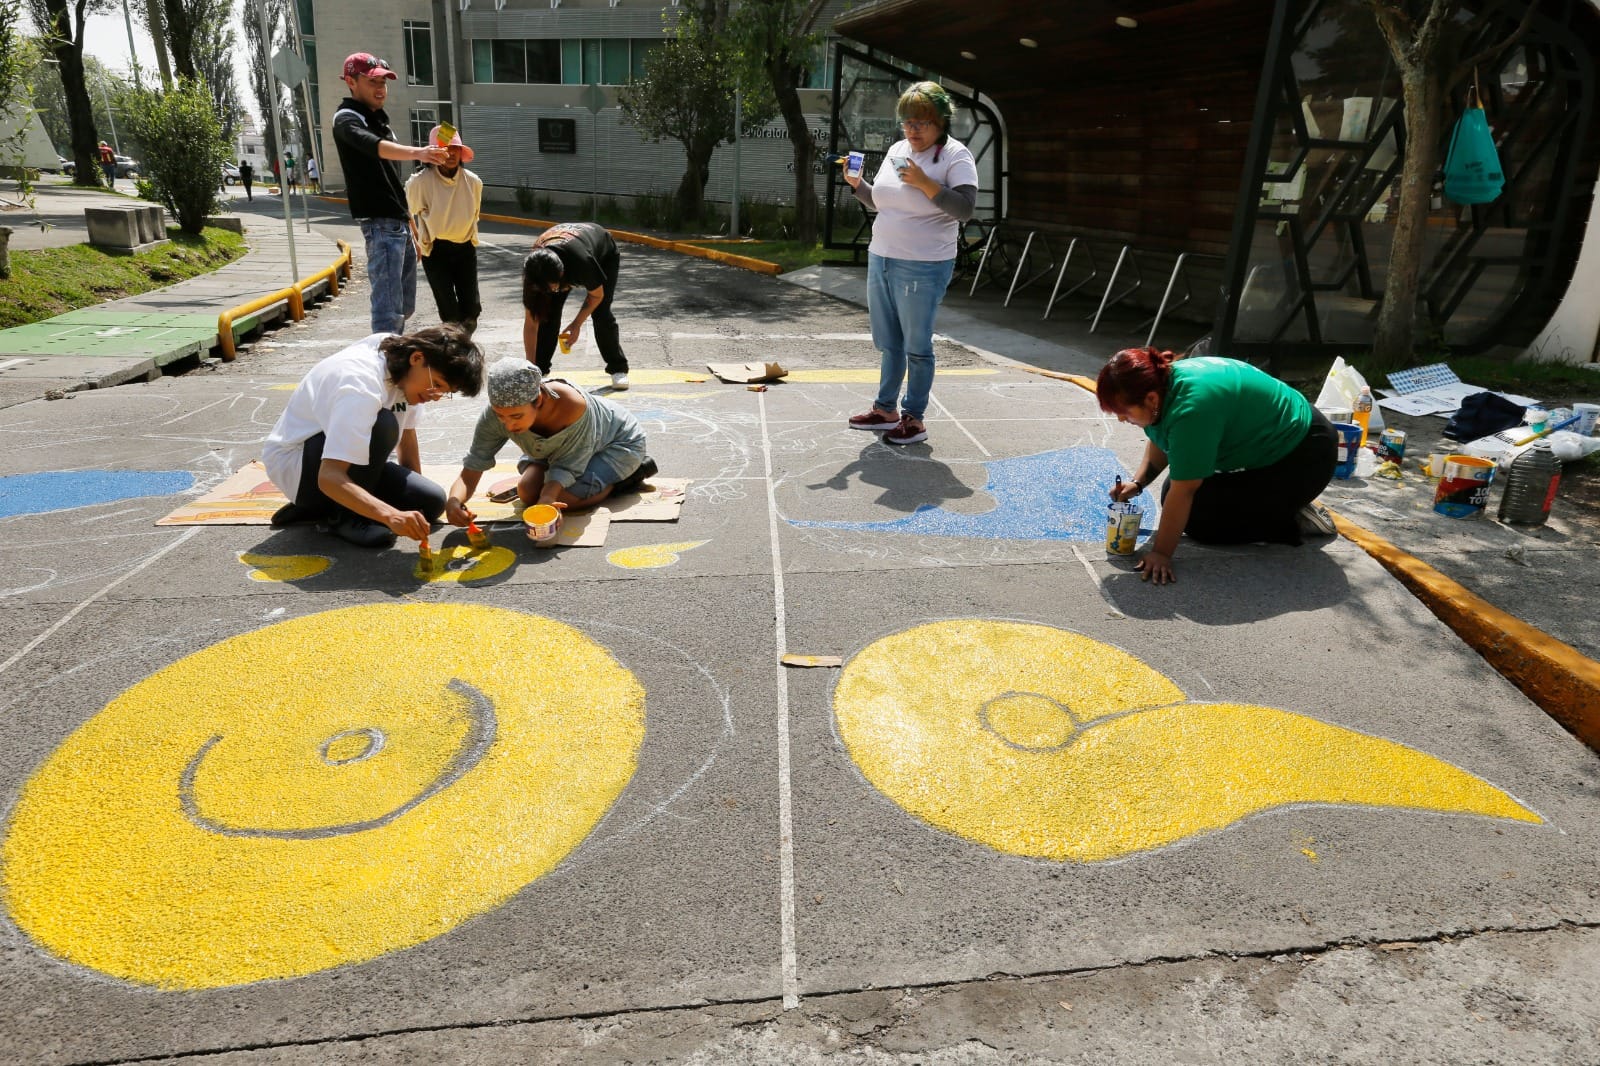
1154	321
1022	263
1094	272
1108	300
988	246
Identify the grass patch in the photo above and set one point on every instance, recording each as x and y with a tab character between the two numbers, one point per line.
789	255
52	281
1552	382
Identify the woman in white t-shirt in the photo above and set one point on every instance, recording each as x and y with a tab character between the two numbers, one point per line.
927	187
330	449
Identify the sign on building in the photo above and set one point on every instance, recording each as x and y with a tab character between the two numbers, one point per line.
558	135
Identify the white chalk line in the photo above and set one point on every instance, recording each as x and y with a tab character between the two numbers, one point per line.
986	452
1099	586
70	615
790	968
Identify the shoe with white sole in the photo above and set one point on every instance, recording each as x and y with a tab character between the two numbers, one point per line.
909	431
1315	519
619	380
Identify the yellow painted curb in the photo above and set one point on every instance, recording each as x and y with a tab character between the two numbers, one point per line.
1556	676
1563	681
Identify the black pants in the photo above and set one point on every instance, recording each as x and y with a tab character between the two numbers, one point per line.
1249	506
396	485
246	182
452	271
603	322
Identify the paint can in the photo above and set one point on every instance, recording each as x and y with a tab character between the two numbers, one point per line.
1588	414
1464	489
1392	445
1122	527
541	521
1349	444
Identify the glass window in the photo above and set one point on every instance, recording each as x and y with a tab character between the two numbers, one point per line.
510	62
311	62
591	60
642	46
308	23
423	119
419	52
544	62
482	62
572	61
614	61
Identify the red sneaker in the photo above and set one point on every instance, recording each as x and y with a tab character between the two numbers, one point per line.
909	431
875	419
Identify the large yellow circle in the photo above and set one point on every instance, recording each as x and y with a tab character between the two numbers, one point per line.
320	792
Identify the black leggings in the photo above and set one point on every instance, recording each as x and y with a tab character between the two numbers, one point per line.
1248	506
452	272
396	485
604	323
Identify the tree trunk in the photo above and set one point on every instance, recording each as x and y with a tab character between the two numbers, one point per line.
180	38
68	51
1424	112
158	36
697	171
785	76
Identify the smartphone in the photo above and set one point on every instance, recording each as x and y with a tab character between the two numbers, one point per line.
900	163
853	164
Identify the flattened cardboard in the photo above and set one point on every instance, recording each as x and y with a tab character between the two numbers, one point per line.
744	373
662	502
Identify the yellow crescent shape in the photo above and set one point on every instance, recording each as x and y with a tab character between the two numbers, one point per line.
651	556
283	567
1044	743
462	563
300	797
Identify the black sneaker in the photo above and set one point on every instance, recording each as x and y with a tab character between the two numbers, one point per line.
363	532
292	514
635	480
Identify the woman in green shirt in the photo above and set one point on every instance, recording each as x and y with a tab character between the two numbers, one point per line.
1245	454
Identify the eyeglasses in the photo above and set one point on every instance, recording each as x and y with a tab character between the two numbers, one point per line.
912	125
436	390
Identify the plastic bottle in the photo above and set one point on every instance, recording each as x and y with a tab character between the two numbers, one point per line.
1531	486
1362	415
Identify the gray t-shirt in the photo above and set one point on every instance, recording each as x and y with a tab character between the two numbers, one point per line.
602	425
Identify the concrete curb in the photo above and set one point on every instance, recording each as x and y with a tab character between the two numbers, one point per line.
1563	681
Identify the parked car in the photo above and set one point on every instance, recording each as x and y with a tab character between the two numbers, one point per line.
230	173
127	167
69	166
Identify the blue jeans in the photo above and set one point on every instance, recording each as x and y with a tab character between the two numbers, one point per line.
391	271
902	297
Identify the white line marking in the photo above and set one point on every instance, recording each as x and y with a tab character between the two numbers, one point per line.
9	363
791	979
191	414
987	453
70	615
1099	586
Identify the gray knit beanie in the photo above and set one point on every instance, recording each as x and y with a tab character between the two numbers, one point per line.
513	382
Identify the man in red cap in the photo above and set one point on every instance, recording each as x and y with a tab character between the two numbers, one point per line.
371	159
445	200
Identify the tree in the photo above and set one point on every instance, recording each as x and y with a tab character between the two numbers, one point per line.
687	95
185	124
156	22
62	24
1435	50
213	59
50	98
268	93
779	35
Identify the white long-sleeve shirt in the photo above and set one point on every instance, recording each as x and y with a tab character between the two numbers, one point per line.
445	209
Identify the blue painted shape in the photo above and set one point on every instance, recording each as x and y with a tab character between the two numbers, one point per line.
61	490
1059	495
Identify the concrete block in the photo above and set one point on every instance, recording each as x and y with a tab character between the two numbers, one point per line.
233	222
152	223
113	227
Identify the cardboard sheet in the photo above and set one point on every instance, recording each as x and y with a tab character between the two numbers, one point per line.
661	502
744	373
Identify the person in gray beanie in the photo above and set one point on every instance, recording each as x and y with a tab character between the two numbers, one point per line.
577	448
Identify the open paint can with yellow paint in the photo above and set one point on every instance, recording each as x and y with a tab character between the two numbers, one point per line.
1122	527
541	521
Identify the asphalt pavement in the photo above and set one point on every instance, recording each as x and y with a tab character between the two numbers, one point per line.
270	798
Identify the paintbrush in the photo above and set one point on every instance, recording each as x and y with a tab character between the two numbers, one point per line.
1545	432
475	534
424	557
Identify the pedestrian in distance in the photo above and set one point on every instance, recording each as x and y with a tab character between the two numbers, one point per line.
247	174
108	165
371	159
312	177
584	255
926	187
1245	454
330	451
577	448
445	200
291	170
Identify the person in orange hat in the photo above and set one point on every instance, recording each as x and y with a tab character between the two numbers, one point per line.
370	157
445	200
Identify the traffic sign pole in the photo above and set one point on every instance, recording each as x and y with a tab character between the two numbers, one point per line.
277	137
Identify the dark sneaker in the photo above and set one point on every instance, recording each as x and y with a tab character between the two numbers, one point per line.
875	419
1314	520
363	532
635	481
292	514
909	431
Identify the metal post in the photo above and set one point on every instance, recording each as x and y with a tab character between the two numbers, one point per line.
738	116
133	55
311	145
277	136
594	150
106	99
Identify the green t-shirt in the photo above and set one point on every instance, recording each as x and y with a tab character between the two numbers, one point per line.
1222	415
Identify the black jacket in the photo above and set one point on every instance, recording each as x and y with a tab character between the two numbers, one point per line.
373	184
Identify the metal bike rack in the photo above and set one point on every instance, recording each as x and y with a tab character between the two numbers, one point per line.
1094	272
1154	321
988	246
1126	255
1022	263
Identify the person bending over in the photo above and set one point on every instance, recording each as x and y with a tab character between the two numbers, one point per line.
571	254
330	450
577	448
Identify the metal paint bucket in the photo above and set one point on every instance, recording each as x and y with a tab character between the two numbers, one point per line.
1349	445
1464	489
1122	527
541	521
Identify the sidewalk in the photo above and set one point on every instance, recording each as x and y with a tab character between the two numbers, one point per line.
133	338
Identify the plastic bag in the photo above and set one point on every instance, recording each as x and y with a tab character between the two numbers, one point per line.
1570	447
1472	173
1340	390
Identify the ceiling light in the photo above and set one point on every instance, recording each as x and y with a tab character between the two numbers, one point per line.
969	55
1028	42
1127	22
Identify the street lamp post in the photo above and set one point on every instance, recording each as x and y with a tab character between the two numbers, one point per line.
106	99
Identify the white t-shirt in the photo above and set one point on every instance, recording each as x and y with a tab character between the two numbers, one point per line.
908	225
341	397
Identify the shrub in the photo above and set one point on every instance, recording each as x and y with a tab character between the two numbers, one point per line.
147	190
185	149
525	199
544	205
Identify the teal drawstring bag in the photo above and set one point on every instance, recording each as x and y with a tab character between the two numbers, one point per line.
1472	173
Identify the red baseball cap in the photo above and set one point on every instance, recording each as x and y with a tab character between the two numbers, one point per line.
365	64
